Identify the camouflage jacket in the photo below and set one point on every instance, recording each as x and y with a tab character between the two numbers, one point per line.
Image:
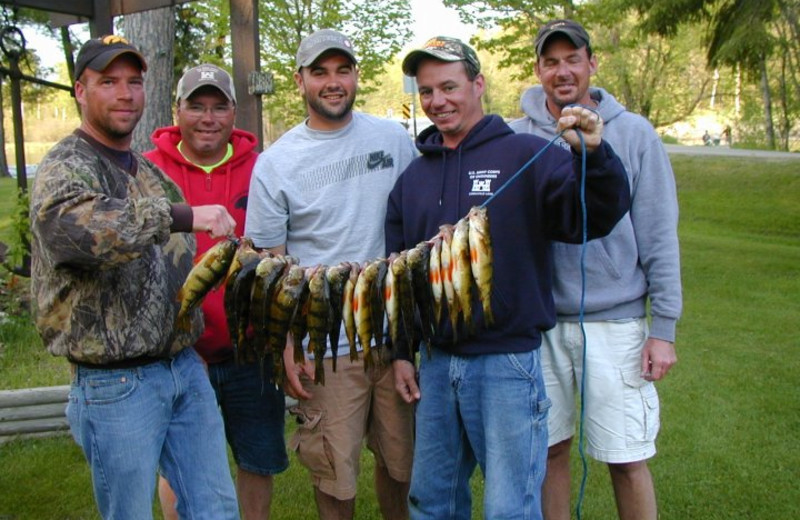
106	269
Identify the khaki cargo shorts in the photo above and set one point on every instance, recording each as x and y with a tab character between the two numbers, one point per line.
353	405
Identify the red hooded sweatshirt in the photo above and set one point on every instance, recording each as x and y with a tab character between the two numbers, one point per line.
228	184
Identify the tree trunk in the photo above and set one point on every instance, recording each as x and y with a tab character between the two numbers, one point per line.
738	102
3	158
153	33
786	123
767	97
714	88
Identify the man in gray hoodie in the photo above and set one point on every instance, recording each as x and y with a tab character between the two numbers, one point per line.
637	263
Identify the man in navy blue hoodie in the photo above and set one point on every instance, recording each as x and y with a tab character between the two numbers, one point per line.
482	398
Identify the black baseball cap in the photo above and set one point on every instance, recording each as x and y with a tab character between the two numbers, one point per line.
572	30
98	53
442	48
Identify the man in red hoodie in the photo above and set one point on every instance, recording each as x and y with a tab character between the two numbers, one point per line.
212	161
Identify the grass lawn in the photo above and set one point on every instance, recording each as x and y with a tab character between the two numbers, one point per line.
730	407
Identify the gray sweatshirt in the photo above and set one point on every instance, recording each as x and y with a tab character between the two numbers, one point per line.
640	257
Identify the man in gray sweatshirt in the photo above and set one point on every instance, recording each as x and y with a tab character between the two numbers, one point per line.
637	263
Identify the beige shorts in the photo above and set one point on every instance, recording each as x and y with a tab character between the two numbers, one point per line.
353	405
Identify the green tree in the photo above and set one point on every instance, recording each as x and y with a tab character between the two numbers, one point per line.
32	94
201	35
648	72
378	28
386	94
663	78
760	39
514	24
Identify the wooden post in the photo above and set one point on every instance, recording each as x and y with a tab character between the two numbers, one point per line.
245	46
102	22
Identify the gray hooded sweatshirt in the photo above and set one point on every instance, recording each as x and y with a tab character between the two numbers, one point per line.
640	257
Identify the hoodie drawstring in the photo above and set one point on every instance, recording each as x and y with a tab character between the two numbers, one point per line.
444	175
228	176
458	186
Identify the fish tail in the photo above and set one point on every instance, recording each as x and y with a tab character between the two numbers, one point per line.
319	371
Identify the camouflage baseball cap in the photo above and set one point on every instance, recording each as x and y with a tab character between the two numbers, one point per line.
441	48
98	53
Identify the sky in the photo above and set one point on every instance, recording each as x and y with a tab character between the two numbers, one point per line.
431	18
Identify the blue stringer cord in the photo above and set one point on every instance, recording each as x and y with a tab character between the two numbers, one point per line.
524	167
584	223
579	505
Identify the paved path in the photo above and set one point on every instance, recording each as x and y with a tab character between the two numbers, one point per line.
724	151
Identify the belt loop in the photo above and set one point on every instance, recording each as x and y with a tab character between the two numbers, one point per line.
75	372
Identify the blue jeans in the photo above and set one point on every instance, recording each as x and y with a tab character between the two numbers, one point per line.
489	410
254	411
131	421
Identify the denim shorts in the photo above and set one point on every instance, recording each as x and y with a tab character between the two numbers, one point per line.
621	415
163	415
488	410
253	410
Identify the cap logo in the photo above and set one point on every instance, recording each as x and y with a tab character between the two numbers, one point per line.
207	74
111	39
449	46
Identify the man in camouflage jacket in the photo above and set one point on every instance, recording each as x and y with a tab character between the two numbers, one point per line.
112	245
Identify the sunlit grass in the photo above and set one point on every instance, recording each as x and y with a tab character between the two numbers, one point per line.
730	407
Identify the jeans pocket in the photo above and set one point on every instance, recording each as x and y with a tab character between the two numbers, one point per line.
108	387
310	444
641	408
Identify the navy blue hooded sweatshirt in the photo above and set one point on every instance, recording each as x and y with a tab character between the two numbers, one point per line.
542	204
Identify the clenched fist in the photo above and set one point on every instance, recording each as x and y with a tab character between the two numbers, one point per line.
584	119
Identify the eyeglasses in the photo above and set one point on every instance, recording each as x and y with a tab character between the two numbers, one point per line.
196	110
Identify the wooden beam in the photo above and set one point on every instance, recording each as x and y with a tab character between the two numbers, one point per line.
88	8
33	396
84	8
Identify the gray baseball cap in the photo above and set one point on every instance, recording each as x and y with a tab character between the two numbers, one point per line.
205	75
315	44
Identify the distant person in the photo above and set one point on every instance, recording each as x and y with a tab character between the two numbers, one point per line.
726	133
112	245
481	400
707	139
319	193
212	161
635	267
